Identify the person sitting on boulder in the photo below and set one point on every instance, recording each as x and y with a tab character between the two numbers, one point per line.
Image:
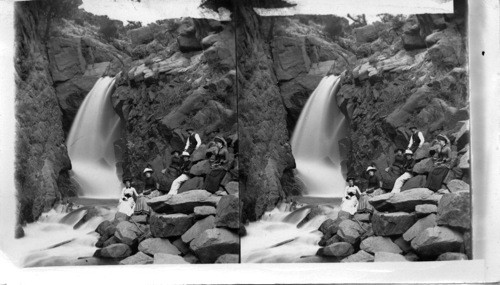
126	205
150	185
128	189
184	176
175	164
150	182
373	183
399	161
193	141
218	165
408	172
351	196
416	139
442	163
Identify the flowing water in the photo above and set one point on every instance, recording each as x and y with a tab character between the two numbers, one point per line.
63	235
282	235
90	143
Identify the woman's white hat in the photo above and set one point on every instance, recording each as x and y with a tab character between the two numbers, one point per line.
185	153
147	169
408	151
371	168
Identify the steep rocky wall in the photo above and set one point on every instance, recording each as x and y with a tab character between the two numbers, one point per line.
42	162
266	153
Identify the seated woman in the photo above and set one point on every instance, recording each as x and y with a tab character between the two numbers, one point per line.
150	184
126	203
350	199
442	163
374	184
184	176
219	164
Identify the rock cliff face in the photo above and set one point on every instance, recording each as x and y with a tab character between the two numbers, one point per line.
42	161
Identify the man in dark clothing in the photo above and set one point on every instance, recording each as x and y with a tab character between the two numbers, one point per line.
193	141
416	139
408	172
185	175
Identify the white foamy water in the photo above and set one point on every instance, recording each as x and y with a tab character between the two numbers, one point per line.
90	143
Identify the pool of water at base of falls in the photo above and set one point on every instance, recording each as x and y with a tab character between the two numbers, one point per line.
286	236
59	238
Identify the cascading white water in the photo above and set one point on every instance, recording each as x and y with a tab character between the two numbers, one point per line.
281	235
315	141
90	143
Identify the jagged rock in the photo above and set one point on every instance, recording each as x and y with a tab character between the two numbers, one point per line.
213	243
165	258
404	201
228	212
188	43
199	153
201	168
191	184
388	257
362	217
422	152
328	241
129	233
120	217
350	231
437	240
457	185
360	256
181	246
198	228
66	59
411	256
151	246
228	258
403	244
232	188
376	243
454	210
290	57
141	219
418	181
452	256
203	211
424	166
136	259
170	225
387	224
106	228
422	224
425	209
330	227
339	249
110	241
183	202
117	250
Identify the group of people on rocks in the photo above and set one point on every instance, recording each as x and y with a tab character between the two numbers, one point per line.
131	202
356	201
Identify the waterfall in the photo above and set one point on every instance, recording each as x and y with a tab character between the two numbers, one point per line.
90	143
315	141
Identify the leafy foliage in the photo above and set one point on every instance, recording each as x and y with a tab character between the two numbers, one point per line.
108	29
334	27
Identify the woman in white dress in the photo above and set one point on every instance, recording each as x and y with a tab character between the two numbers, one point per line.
126	204
351	196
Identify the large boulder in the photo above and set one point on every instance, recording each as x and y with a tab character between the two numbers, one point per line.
376	244
338	249
425	209
201	168
418	181
228	212
350	231
165	258
388	224
454	210
228	258
388	257
198	228
117	251
437	240
452	256
290	57
151	246
138	258
106	229
170	225
191	184
232	188
424	166
457	185
420	226
183	202
65	58
142	35
360	256
213	243
404	201
403	244
203	211
129	233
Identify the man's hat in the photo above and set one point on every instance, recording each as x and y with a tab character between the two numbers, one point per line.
408	152
185	153
147	169
221	140
371	168
443	137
